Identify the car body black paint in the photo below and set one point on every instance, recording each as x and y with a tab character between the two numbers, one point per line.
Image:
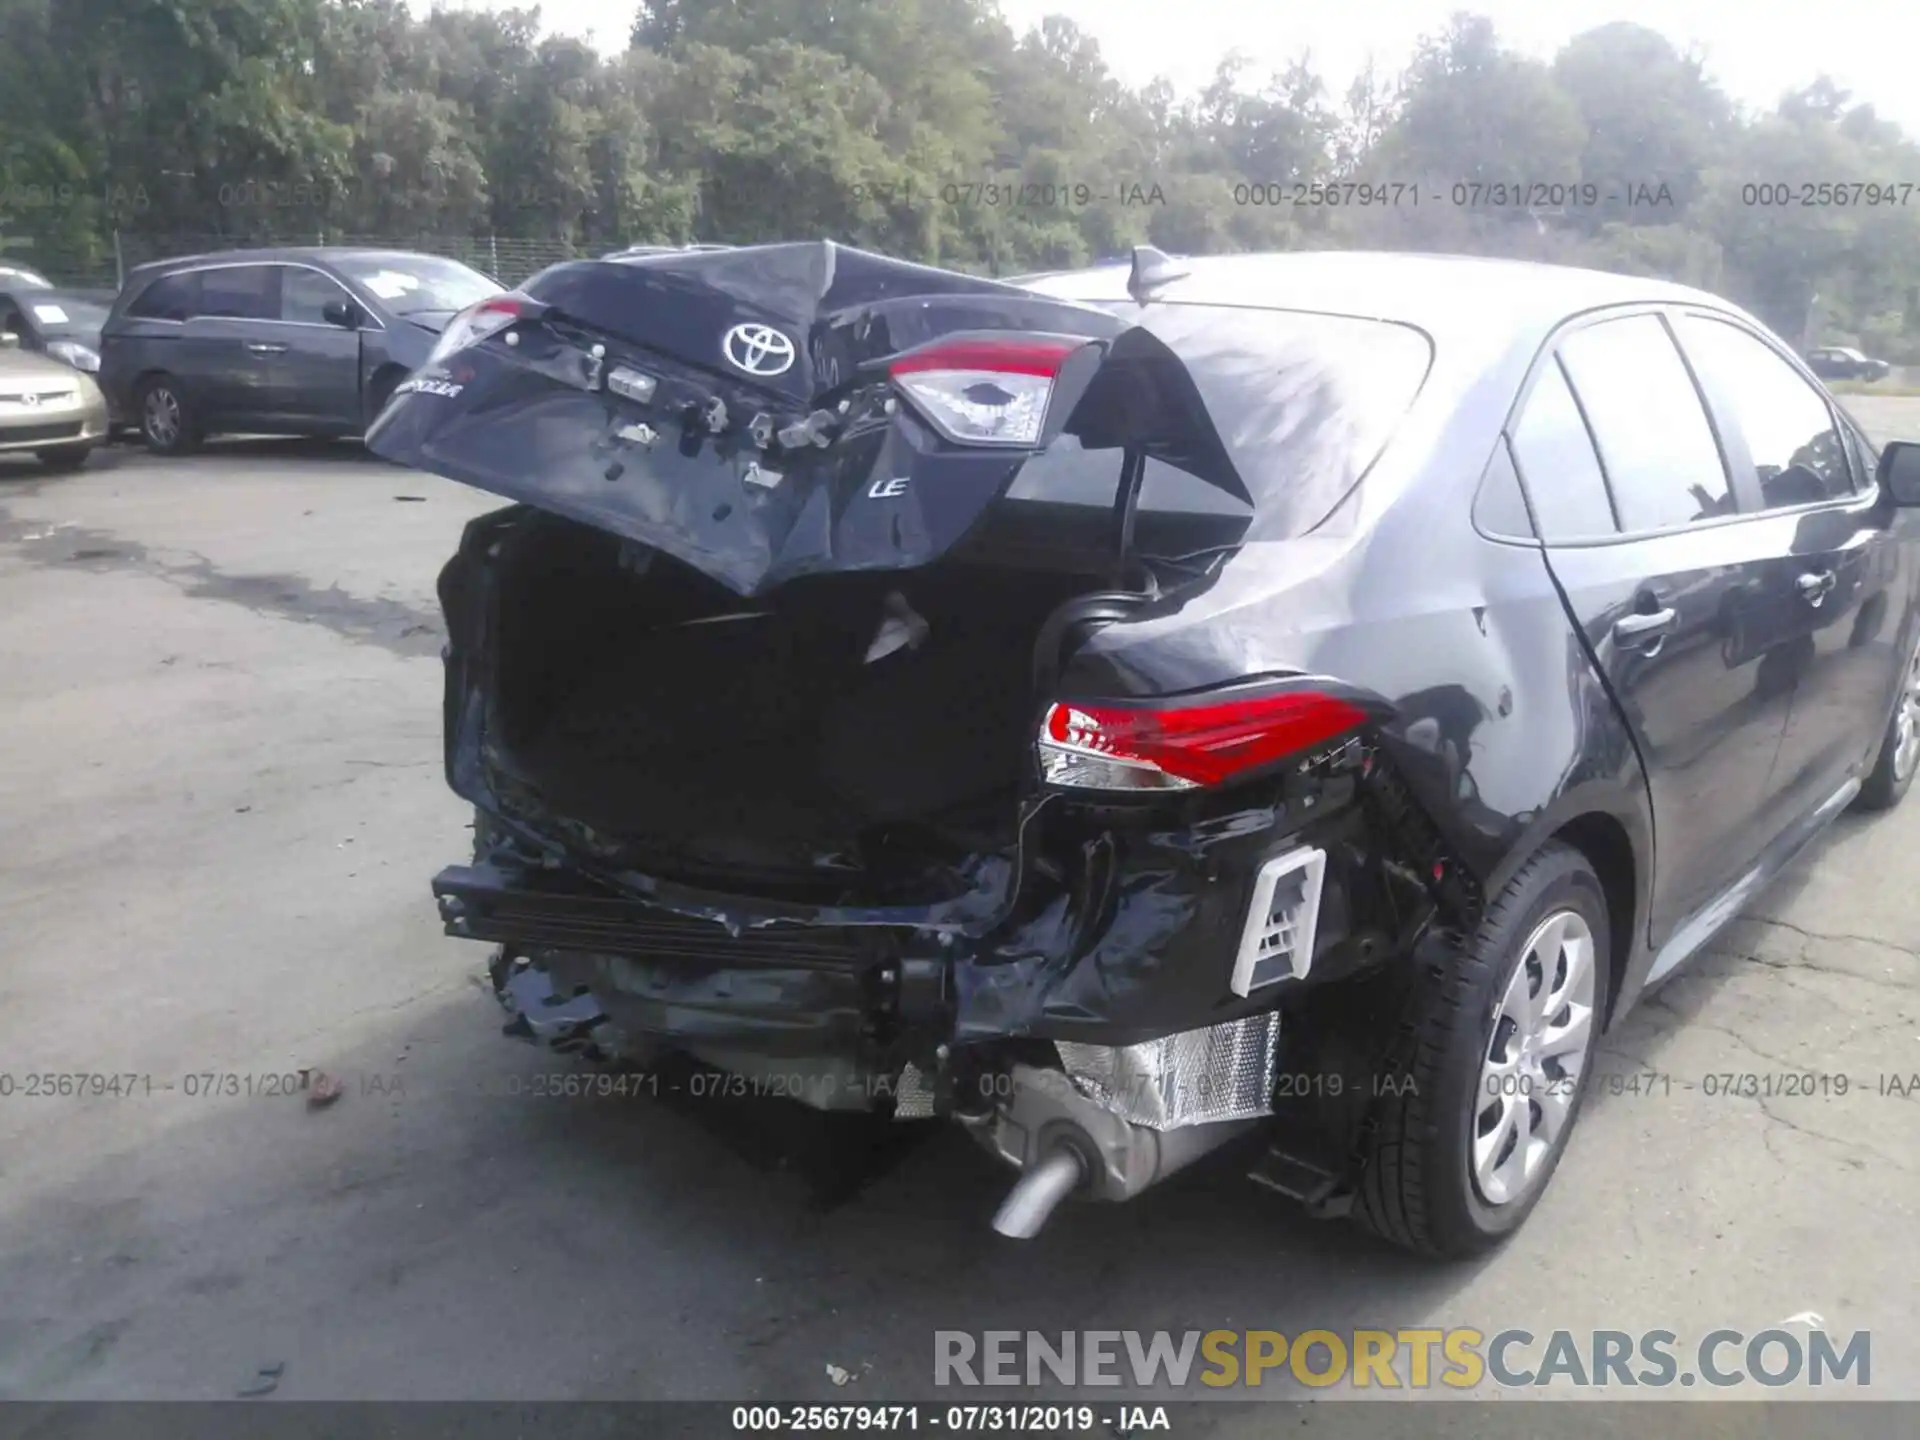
1504	700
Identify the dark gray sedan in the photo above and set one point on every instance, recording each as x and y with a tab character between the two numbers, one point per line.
1842	362
286	342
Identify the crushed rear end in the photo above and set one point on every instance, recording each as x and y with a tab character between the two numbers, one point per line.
763	691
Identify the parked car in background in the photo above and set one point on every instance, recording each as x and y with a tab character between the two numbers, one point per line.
62	324
14	273
1153	704
309	341
1840	362
48	408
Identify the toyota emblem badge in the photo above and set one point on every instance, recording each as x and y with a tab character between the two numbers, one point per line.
758	350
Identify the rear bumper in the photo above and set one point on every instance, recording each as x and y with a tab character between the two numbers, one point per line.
1109	932
537	912
774	988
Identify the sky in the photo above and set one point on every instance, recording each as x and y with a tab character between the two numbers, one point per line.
1755	50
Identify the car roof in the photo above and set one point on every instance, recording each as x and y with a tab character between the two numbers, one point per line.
316	254
1441	294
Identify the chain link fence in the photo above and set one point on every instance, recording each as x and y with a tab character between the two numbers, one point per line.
101	264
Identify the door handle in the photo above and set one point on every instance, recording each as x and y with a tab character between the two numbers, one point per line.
1814	587
267	349
1640	628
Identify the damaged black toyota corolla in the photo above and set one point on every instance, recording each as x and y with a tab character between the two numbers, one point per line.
1120	711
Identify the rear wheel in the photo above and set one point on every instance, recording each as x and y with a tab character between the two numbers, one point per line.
1899	757
63	458
1503	1035
167	422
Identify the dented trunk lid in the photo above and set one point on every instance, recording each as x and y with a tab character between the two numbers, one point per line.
734	409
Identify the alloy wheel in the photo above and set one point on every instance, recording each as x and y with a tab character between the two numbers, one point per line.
162	415
1535	1057
1906	722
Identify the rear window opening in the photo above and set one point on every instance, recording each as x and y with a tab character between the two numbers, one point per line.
1282	410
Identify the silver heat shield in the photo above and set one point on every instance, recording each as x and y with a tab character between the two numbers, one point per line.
1224	1072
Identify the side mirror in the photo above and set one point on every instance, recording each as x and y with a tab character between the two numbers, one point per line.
1900	472
343	313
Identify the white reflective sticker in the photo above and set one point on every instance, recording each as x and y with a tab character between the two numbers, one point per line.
50	314
391	284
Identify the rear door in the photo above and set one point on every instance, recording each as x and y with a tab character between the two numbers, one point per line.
317	378
1825	596
144	333
232	344
1635	503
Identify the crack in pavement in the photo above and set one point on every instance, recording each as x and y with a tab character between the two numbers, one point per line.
1911	951
1858	1148
1802	962
393	625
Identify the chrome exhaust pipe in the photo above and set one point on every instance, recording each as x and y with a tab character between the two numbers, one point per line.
1062	1141
1038	1193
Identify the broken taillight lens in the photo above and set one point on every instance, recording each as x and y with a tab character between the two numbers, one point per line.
1186	744
985	390
486	317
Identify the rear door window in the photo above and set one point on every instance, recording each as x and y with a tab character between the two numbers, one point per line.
1657	447
171	297
1798	453
240	292
1558	466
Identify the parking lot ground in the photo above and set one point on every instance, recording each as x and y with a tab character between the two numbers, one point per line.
220	804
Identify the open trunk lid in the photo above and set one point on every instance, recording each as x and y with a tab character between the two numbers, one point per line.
783	410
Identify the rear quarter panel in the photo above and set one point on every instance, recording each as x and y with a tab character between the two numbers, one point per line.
1500	725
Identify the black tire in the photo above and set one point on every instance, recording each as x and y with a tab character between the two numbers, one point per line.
167	423
64	458
1892	774
1416	1187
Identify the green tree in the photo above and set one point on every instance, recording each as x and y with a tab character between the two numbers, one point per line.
1654	121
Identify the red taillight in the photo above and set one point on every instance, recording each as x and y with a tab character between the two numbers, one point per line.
481	319
985	389
1185	745
1014	355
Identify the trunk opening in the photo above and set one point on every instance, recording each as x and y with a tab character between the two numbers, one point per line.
826	743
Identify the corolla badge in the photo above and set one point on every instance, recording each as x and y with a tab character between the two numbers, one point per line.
758	350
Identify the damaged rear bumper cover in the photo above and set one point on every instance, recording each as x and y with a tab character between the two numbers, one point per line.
1089	1036
764	695
844	1020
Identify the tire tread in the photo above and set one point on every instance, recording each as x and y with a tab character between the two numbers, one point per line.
1393	1199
